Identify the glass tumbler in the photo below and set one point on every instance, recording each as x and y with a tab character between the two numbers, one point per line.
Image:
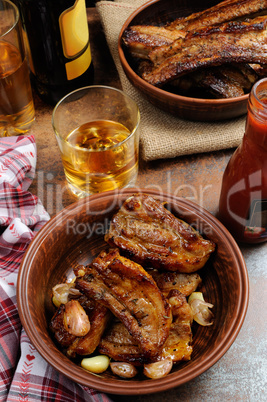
16	103
97	130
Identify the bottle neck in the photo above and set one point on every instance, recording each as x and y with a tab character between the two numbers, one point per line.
256	124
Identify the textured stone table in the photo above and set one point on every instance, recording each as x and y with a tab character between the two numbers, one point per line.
240	375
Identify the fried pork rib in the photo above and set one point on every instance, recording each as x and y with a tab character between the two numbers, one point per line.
132	295
141	39
226	81
227	10
152	236
234	42
118	344
184	283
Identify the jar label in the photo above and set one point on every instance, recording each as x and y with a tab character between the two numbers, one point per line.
75	39
257	220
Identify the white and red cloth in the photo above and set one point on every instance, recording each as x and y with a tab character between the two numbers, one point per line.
24	375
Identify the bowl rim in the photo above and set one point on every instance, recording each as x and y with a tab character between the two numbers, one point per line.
156	90
120	386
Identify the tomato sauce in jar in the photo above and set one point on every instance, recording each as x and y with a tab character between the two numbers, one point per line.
243	199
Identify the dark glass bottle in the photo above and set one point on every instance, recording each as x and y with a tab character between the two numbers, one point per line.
243	200
57	36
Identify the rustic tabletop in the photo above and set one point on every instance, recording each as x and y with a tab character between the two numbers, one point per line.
240	375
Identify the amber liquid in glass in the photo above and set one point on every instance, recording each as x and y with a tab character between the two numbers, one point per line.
16	104
98	156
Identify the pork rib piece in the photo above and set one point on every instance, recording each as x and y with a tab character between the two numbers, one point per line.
132	295
226	81
167	281
152	236
227	10
141	39
234	42
118	344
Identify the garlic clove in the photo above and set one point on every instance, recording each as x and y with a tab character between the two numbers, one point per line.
158	369
76	321
124	370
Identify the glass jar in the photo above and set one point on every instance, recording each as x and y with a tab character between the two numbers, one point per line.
243	199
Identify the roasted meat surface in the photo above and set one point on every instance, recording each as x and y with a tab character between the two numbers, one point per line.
234	42
118	344
132	295
178	345
152	236
167	281
62	336
99	317
86	345
227	10
226	81
206	53
142	39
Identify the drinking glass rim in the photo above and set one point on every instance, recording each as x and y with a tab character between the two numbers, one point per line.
16	17
96	150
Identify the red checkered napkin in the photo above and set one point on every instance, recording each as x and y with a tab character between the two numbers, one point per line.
24	375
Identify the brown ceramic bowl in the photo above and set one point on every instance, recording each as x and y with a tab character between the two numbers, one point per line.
158	12
76	235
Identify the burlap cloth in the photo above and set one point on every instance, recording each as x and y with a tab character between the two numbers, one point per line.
164	135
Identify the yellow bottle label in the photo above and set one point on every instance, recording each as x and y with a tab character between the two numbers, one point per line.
75	39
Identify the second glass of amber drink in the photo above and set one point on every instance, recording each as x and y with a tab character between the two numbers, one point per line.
97	130
16	103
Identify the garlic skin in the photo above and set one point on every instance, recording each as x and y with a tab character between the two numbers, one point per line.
158	369
124	370
62	291
201	309
76	321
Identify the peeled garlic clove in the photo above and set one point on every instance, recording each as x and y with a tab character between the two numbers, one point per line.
124	370
201	309
158	369
96	364
76	321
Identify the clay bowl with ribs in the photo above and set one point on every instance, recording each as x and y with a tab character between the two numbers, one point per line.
76	236
187	101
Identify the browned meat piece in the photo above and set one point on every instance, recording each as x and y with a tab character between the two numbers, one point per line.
228	32
219	82
63	337
151	235
218	85
99	319
178	345
261	71
227	10
167	281
250	75
226	81
132	296
239	42
141	39
118	344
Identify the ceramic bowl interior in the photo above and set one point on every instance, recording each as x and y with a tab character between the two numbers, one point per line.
159	12
75	235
